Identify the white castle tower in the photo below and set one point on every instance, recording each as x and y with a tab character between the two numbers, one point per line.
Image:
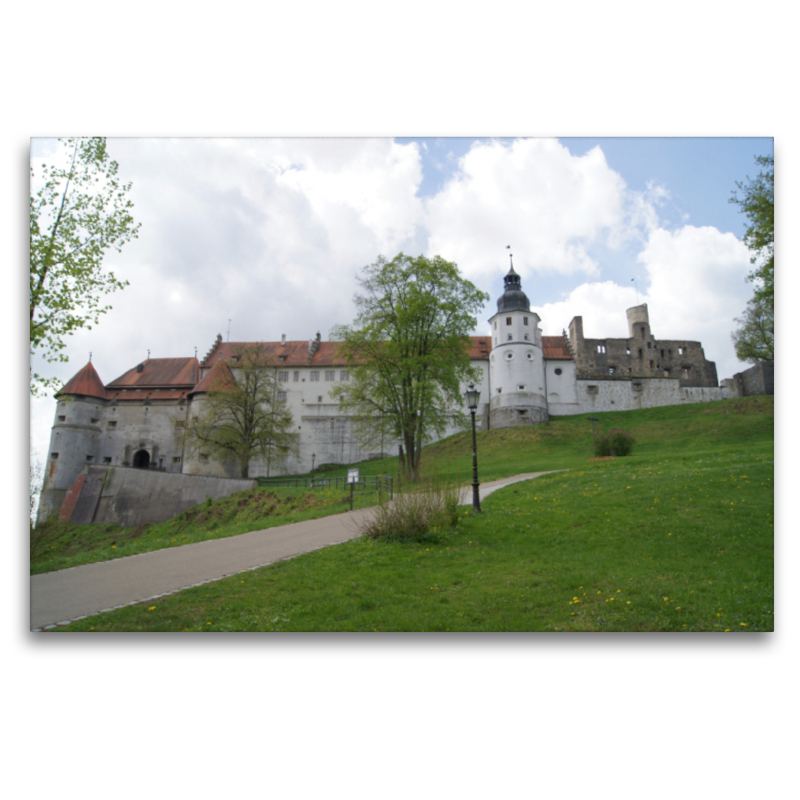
517	360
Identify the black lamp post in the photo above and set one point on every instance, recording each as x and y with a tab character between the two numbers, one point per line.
472	395
313	458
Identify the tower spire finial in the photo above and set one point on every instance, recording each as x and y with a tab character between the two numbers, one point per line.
510	255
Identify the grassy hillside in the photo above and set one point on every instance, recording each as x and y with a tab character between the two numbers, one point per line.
566	442
677	537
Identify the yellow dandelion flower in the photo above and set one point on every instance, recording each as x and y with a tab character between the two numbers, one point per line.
152	608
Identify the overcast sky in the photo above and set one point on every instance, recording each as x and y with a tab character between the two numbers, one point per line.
266	236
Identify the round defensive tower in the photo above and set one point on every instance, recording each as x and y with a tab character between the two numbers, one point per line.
638	319
517	360
75	437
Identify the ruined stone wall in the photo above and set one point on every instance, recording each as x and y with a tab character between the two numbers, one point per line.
758	380
641	355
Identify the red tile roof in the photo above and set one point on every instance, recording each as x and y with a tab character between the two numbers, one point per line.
160	373
87	382
555	348
295	354
218	378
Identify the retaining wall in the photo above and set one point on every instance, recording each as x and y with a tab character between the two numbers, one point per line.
130	497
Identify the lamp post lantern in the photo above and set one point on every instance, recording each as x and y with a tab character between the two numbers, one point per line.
472	395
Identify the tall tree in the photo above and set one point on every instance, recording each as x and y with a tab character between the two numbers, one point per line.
79	212
754	338
241	417
408	351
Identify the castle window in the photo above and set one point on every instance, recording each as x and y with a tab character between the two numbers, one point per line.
112	423
558	370
62	419
527	337
648	345
508	320
627	351
90	458
95	420
681	351
640	352
344	375
612	370
499	391
106	459
521	387
314	376
54	456
509	337
281	397
686	373
529	354
319	399
176	459
651	363
296	376
662	354
643	333
330	375
283	377
592	389
601	348
509	356
524	320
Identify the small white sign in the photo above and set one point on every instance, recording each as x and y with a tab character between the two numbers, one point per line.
352	476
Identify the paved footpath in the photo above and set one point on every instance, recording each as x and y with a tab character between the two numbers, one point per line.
70	594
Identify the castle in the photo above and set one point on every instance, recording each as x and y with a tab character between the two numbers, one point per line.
138	420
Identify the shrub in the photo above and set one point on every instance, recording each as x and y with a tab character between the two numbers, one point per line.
416	514
614	443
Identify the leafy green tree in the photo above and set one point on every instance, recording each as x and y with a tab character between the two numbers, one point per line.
80	211
241	417
754	338
408	351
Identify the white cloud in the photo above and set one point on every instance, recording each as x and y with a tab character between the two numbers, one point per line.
549	205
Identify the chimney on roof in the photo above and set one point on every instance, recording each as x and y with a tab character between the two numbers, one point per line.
319	337
283	340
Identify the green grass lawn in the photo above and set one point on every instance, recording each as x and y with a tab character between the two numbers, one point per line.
676	537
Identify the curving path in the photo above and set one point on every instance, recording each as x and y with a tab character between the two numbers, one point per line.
70	594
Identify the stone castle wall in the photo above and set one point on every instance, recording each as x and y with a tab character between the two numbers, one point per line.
641	355
129	497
